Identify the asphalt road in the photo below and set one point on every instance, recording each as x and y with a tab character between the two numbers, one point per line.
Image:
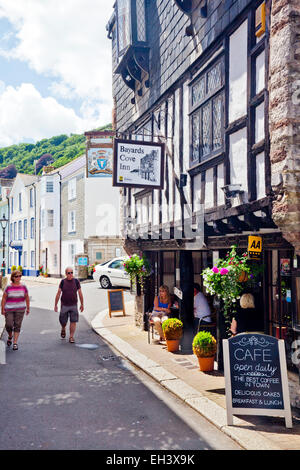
60	396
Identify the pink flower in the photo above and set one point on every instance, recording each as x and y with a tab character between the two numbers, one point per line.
215	270
224	271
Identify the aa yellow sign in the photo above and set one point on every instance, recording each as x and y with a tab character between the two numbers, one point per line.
254	246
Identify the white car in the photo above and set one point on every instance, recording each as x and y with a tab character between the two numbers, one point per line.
111	273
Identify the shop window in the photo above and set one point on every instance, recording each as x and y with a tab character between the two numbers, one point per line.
98	255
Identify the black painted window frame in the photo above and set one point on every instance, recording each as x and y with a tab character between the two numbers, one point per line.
255	48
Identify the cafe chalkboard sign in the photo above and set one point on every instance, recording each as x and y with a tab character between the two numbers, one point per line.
116	301
256	377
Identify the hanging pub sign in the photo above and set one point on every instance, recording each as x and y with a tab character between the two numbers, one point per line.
256	381
99	154
138	164
254	247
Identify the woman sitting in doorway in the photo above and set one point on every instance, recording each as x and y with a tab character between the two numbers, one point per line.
161	310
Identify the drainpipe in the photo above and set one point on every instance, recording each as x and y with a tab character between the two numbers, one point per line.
35	223
8	234
60	224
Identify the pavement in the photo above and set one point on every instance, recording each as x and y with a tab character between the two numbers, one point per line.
179	373
203	391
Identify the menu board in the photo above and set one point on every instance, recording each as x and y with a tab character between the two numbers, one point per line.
256	376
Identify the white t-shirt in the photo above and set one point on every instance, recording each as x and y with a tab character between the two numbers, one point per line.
201	307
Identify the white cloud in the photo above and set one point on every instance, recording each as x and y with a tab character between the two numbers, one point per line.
66	40
26	115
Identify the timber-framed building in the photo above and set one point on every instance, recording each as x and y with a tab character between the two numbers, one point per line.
216	82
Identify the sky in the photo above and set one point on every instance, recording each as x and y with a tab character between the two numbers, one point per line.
55	68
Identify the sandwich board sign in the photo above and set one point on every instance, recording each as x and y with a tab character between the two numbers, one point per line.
115	301
256	380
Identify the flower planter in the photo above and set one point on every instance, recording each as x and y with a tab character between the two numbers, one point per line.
243	277
206	364
173	345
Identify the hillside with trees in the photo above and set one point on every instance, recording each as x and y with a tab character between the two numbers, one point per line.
60	150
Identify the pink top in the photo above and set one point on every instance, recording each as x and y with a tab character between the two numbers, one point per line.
15	300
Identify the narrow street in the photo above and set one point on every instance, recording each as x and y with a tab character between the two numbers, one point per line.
56	395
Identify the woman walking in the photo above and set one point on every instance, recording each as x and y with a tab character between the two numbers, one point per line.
15	301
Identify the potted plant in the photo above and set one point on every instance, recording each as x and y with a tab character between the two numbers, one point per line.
13	268
138	269
173	329
41	269
19	268
205	348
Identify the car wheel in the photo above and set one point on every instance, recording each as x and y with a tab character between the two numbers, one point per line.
105	282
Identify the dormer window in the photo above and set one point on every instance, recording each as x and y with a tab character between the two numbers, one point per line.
132	46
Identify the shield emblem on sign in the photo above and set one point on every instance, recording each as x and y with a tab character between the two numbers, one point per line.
102	163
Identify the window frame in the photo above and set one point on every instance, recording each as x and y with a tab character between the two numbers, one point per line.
72	189
32	228
256	46
50	217
196	109
72	221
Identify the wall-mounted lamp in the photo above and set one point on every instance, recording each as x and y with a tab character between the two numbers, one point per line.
182	180
232	190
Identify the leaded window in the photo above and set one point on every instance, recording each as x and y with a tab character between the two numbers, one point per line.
123	25
207	116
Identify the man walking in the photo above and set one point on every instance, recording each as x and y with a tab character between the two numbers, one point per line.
68	289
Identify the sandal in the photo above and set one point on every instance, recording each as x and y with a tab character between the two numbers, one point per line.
63	333
71	340
15	347
9	341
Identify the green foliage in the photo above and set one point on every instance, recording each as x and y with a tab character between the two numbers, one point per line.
137	268
204	344
172	328
63	149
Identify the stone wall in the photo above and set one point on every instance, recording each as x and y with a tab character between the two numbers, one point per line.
284	117
106	246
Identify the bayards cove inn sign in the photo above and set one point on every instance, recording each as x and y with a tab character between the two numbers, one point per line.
138	164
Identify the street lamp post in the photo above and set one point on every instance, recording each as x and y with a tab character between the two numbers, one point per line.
3	222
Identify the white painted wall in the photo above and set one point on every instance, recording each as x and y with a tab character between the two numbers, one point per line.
238	72
238	160
50	201
66	252
220	185
209	188
260	72
29	244
260	176
260	122
102	208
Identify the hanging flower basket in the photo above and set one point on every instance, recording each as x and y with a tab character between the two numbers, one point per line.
138	269
227	279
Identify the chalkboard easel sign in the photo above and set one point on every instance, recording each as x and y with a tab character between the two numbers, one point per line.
116	301
256	380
